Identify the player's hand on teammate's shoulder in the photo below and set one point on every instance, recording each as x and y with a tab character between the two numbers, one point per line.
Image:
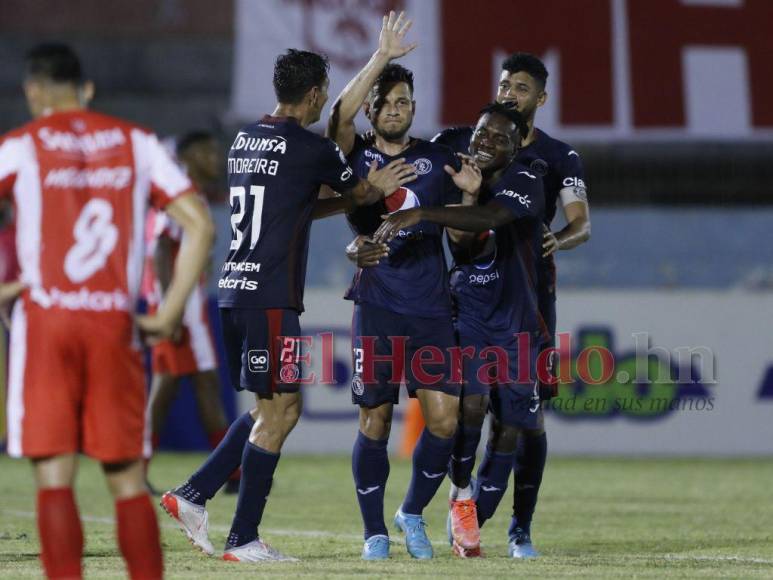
393	175
391	41
468	178
550	243
366	253
395	222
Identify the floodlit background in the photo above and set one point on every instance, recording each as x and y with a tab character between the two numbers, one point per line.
669	102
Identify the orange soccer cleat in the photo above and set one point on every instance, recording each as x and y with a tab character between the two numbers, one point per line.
465	532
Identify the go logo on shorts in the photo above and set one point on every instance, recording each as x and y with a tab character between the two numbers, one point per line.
257	360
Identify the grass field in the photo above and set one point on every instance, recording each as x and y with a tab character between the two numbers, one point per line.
597	518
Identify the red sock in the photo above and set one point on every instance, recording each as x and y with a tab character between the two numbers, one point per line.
61	535
215	437
138	538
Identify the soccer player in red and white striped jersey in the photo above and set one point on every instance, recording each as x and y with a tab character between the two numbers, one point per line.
81	183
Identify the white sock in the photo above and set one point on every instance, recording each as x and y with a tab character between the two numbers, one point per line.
460	493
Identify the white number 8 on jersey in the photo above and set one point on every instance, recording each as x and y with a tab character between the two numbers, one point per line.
95	238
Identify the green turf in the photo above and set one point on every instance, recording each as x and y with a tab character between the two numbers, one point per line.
597	518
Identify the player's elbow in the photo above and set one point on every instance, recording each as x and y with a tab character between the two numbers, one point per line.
204	229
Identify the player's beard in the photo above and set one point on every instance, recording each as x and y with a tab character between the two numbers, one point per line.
393	134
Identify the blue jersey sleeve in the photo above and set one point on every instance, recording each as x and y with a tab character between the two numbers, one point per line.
333	168
521	195
572	173
457	138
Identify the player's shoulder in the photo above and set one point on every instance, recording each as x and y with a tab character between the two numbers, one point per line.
559	151
452	134
519	172
431	148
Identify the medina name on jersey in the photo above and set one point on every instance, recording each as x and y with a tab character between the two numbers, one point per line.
275	170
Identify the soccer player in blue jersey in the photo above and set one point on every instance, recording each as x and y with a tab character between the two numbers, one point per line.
494	282
522	84
405	295
275	170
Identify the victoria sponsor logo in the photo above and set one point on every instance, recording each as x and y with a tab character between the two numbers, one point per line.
86	143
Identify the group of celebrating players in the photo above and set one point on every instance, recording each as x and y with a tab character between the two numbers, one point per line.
493	189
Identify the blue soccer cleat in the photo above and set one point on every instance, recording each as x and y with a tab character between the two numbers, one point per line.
520	545
416	540
376	548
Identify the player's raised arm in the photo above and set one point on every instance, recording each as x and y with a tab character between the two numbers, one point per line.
198	236
391	45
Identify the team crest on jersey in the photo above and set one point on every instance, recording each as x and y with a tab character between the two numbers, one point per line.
422	165
358	388
289	373
344	30
540	167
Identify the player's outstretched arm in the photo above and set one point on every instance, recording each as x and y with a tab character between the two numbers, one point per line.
364	253
198	235
470	219
575	233
391	45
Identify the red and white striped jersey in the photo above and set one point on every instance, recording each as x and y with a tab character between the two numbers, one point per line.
82	183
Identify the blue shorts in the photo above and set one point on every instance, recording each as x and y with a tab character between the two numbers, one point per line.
377	382
547	309
506	374
262	349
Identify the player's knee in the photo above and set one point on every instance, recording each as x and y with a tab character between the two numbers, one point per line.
539	432
376	423
291	415
443	426
504	438
474	410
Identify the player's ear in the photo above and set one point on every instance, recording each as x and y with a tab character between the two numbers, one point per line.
542	99
86	93
366	109
413	107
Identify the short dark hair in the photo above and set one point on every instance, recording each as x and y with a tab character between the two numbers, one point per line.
528	63
392	74
509	112
296	72
192	138
54	61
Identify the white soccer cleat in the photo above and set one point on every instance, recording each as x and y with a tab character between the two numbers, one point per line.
255	551
191	518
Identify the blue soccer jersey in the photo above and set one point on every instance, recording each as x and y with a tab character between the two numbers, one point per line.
494	281
413	280
275	170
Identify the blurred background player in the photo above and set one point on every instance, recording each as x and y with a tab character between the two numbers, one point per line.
405	295
275	169
81	182
191	352
522	83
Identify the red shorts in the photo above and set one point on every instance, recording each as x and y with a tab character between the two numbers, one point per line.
76	384
195	352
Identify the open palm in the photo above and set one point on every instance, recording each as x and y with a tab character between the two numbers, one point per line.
391	41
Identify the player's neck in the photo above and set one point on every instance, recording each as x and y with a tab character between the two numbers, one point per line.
297	112
532	136
392	147
62	106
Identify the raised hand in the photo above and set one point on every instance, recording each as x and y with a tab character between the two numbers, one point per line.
390	177
468	178
391	41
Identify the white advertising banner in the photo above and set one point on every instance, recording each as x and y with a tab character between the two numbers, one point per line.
619	69
707	355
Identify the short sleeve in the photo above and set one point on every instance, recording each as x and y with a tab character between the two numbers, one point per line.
334	169
457	138
572	175
9	164
167	179
521	195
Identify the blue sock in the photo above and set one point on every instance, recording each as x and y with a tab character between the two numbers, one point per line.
463	456
220	464
258	467
370	468
528	468
430	465
493	473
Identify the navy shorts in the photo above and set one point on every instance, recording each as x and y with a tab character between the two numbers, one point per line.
547	309
377	382
262	349
506	374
